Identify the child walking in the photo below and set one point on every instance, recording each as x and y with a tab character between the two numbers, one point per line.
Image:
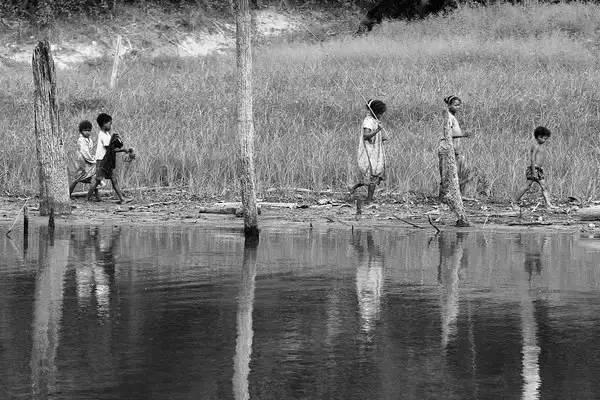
86	163
107	147
535	171
371	155
452	130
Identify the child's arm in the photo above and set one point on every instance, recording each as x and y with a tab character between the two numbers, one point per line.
368	133
84	150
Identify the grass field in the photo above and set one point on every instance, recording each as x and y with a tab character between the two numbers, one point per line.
514	67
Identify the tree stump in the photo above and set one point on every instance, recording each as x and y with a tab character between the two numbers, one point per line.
449	185
245	123
49	138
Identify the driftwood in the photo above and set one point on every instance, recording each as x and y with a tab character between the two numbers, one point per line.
533	223
589	213
432	224
408	222
129	190
224	210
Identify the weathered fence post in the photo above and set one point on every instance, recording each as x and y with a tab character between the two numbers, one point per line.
116	61
54	185
245	124
449	184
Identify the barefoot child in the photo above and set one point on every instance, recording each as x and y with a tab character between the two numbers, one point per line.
86	163
535	172
371	155
452	129
108	146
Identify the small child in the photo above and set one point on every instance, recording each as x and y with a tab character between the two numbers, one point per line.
108	145
371	154
86	164
535	172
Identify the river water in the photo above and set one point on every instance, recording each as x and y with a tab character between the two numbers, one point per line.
181	313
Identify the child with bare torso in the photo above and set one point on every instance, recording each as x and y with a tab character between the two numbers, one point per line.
535	171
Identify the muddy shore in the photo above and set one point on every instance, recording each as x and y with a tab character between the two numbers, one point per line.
281	209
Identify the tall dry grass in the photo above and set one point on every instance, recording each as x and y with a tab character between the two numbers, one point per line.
514	67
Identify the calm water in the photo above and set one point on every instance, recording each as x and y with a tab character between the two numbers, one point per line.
174	313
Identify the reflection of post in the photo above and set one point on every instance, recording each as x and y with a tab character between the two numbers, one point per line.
243	347
530	352
451	256
47	314
369	280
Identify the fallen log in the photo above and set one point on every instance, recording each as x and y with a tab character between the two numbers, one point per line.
218	210
589	213
129	190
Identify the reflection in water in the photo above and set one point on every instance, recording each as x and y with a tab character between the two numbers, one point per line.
174	327
96	277
530	352
243	347
47	315
369	280
451	257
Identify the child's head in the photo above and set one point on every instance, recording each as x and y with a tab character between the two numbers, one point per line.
454	103
85	128
541	134
376	107
104	121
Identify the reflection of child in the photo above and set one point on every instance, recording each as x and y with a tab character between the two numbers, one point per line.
86	164
108	146
535	172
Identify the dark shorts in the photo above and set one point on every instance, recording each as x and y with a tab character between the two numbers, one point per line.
102	171
535	174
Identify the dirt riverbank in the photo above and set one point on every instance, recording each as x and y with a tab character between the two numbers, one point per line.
292	209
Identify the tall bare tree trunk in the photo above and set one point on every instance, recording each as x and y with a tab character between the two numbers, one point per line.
245	124
54	185
449	184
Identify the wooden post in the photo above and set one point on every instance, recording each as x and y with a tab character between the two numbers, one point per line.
116	61
49	138
25	229
245	124
449	184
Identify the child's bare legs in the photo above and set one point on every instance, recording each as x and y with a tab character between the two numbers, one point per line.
94	190
72	187
371	192
115	185
545	194
522	192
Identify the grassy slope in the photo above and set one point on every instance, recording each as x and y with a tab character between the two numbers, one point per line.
514	67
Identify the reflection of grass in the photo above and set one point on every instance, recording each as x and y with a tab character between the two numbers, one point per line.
514	67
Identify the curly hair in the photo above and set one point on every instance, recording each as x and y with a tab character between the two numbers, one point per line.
376	107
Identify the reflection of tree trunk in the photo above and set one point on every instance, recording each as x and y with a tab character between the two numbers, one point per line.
243	348
451	255
530	352
46	317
